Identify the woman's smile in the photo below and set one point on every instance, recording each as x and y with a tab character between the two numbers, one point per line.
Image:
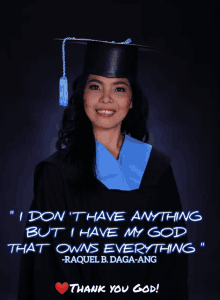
106	113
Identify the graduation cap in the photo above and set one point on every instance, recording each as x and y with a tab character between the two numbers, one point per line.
103	58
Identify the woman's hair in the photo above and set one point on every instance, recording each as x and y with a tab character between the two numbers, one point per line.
76	139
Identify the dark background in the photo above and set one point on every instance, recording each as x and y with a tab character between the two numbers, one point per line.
182	91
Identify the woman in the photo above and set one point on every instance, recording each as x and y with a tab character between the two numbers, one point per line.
99	170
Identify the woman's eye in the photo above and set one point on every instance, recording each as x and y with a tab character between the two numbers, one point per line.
120	89
96	87
93	87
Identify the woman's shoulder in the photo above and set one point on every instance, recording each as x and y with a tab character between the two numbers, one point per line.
52	162
156	161
158	164
49	169
159	159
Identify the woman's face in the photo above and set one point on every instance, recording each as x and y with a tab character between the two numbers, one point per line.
107	101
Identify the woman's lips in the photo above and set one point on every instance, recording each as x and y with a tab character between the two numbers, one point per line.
105	113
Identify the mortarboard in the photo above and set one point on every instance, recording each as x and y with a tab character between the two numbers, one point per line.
108	59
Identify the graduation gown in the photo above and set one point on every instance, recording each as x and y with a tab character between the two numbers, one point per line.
157	192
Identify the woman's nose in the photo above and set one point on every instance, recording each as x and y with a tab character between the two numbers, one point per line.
106	97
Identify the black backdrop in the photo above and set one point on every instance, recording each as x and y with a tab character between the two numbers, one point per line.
182	92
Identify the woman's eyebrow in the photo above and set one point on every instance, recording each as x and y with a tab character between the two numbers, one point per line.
114	83
119	82
95	80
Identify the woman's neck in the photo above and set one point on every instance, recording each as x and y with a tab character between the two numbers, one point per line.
111	139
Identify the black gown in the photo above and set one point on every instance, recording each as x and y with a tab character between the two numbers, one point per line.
158	192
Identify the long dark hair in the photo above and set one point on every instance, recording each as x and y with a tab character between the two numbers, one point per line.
76	139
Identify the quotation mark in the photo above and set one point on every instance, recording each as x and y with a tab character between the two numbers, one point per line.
202	244
12	212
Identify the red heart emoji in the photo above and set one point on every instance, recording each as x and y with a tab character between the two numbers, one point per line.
61	288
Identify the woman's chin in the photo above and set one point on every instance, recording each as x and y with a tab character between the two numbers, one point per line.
106	125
